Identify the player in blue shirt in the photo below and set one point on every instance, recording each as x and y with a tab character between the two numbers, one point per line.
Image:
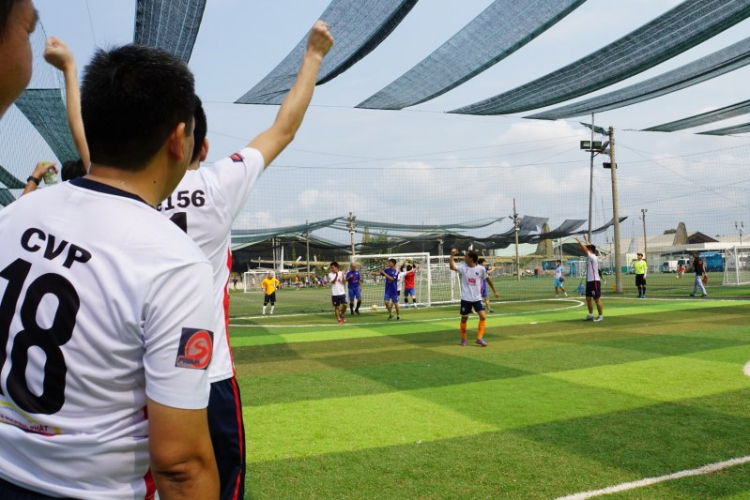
391	288
353	284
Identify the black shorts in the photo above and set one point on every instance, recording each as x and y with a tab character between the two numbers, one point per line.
467	306
227	429
338	300
10	491
594	289
640	280
269	298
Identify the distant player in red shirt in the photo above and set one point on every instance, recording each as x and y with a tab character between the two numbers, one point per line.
409	278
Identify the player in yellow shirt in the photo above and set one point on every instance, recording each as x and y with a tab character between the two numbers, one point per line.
641	270
269	285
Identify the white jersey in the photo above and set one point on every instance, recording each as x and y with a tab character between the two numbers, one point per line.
592	268
558	272
204	205
337	283
471	281
109	304
401	277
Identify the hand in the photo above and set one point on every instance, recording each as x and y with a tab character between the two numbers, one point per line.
497	295
42	168
320	40
58	54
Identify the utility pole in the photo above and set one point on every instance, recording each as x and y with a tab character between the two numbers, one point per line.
645	241
591	178
615	211
515	231
307	245
740	227
352	219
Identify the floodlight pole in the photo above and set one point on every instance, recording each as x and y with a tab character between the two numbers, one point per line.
515	231
740	227
591	178
615	211
352	219
645	241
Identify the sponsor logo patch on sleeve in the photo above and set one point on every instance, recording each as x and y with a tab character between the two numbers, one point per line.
195	350
237	158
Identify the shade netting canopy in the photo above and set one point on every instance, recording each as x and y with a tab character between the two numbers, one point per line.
672	33
45	109
720	62
737	109
733	130
359	28
501	29
171	25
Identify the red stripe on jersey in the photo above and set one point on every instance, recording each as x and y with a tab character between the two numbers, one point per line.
241	431
150	485
226	309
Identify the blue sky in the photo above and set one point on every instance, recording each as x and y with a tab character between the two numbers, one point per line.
423	166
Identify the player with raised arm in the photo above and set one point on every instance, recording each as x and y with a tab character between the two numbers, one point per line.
269	285
106	327
390	298
472	276
338	294
204	205
409	278
354	285
593	282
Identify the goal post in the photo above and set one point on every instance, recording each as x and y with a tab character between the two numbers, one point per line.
251	279
737	266
372	284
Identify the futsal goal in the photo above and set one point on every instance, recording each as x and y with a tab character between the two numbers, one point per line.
737	266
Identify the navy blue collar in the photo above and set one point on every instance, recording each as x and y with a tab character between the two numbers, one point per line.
99	187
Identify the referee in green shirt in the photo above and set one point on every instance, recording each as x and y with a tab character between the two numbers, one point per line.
641	269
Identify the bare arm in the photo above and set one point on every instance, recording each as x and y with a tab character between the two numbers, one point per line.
583	247
273	141
492	285
182	468
41	168
58	55
454	252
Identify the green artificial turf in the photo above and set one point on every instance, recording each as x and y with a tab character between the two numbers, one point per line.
553	405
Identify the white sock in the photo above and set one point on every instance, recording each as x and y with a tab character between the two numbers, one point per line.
272	309
264	310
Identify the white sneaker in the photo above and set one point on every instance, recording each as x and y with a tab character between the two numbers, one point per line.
590	317
566	294
598	319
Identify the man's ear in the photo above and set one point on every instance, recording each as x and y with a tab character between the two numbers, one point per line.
176	142
204	150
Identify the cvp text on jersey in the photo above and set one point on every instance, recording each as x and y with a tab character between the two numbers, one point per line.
33	239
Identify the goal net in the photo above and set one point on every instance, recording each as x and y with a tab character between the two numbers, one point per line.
737	266
373	284
251	279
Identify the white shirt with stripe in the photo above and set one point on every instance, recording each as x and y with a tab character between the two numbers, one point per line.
105	304
471	281
205	203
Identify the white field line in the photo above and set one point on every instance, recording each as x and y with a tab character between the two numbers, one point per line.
576	304
706	469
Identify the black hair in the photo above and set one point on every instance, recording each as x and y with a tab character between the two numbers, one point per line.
72	169
591	247
334	263
473	256
558	260
392	261
200	130
481	260
6	7
132	98
409	268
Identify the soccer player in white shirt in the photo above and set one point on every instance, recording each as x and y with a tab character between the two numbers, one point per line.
593	282
559	279
106	320
338	294
472	277
204	205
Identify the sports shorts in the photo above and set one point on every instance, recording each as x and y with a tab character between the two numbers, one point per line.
594	289
467	306
390	296
338	300
355	293
269	298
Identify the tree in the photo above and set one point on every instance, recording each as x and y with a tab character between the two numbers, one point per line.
670	231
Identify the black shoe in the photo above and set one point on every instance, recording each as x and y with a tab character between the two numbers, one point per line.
357	311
